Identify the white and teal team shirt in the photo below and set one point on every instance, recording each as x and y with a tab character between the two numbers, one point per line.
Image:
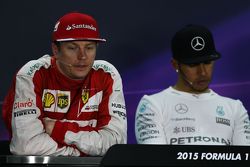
175	117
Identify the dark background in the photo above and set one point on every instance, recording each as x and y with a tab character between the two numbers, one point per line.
138	34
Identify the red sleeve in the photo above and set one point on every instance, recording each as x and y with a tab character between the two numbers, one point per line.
61	128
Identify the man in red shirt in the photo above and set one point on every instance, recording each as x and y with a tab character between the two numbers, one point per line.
67	104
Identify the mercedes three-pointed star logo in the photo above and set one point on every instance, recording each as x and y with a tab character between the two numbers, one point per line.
197	43
181	108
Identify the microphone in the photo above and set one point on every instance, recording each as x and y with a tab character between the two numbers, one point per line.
184	77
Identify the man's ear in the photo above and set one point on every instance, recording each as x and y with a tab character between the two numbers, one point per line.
55	49
175	64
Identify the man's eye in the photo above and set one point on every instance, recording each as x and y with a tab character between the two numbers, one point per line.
71	47
193	64
207	62
90	47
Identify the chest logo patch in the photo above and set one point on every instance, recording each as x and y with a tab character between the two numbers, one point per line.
220	111
56	100
62	100
181	108
92	103
48	100
85	96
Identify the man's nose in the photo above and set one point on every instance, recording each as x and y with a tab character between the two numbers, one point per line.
82	54
202	69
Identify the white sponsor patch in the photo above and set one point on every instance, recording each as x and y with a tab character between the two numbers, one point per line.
56	100
93	103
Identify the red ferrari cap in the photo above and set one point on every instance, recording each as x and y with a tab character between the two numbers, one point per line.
76	26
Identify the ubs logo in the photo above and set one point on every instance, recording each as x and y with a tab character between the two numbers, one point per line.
198	43
183	130
181	108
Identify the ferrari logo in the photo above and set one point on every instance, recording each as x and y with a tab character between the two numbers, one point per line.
85	96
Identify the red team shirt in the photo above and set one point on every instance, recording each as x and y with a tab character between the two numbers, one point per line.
92	111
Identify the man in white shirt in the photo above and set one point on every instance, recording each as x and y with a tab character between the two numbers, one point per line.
189	112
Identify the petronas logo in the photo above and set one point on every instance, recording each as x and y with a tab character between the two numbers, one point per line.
85	96
48	100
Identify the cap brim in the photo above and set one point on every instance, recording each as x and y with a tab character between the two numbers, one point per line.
210	57
81	39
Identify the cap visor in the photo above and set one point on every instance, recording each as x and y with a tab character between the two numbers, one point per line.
210	57
82	39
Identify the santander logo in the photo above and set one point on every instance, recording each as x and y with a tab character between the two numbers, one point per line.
78	26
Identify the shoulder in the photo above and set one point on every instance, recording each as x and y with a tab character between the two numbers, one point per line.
228	99
159	96
32	66
155	100
106	67
234	104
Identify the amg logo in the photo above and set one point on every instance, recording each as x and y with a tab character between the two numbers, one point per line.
223	121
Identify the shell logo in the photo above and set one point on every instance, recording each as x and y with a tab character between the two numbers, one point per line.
48	100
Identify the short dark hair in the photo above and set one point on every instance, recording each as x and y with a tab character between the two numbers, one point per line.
57	43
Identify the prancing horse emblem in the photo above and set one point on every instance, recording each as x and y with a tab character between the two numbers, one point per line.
85	96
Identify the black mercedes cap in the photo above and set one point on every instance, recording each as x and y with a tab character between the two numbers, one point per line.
194	44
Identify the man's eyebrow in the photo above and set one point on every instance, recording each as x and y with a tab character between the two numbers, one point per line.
72	43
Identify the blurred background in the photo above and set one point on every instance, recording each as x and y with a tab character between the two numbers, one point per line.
138	34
